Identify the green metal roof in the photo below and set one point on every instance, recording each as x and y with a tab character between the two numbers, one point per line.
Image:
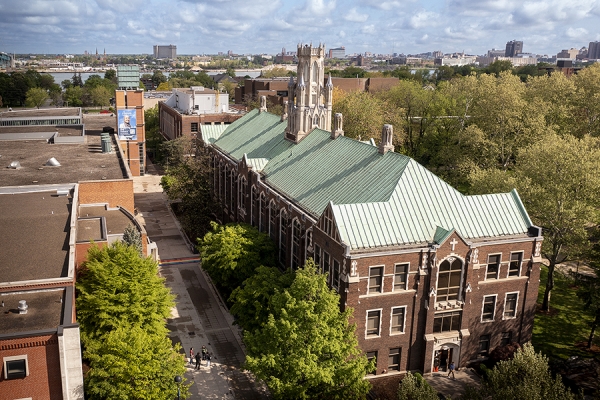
377	200
210	133
259	135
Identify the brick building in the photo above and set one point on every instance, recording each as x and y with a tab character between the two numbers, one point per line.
61	191
187	111
433	276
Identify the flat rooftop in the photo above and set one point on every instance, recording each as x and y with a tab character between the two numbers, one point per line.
79	162
89	227
62	130
45	311
42	113
34	228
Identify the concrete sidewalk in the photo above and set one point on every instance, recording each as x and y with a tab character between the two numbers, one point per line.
200	317
453	388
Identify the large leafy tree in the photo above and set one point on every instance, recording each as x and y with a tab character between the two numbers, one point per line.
231	253
100	96
251	300
525	377
364	115
559	184
132	363
117	287
307	349
36	97
189	183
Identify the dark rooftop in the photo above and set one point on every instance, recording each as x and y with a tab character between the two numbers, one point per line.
79	162
45	311
34	228
63	130
116	222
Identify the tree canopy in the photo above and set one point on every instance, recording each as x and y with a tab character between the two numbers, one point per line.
306	349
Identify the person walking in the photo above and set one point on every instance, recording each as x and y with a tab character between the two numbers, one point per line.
198	362
451	370
208	357
204	352
191	356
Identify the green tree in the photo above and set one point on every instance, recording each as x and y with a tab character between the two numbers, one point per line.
158	77
307	349
498	67
117	287
36	97
525	377
231	253
131	363
274	72
190	184
559	183
414	387
132	237
589	292
73	96
364	115
111	75
100	96
585	101
251	299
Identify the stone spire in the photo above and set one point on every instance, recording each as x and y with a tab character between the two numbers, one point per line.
338	123
310	103
387	137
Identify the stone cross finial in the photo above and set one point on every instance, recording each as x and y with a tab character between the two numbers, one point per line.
263	104
338	123
284	116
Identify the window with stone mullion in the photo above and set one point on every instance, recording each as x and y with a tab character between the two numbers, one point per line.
449	277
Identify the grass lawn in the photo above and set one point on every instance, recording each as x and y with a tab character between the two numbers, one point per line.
557	333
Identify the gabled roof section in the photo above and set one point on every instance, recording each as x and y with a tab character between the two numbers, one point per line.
210	133
421	203
344	171
441	235
259	135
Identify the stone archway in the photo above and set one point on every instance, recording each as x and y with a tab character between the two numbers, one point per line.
444	354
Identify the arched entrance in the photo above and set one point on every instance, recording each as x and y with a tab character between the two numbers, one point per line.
444	354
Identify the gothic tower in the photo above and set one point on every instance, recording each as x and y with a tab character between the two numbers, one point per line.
310	102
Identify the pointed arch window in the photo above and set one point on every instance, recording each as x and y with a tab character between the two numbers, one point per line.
273	221
253	206
449	280
283	238
262	220
296	249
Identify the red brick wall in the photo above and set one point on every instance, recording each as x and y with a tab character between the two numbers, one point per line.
114	192
44	380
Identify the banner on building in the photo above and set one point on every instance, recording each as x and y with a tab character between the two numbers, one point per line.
127	124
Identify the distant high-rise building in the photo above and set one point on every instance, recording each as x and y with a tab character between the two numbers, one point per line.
513	48
169	51
594	50
339	52
568	54
496	53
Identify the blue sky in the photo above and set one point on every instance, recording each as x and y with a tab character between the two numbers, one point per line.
265	26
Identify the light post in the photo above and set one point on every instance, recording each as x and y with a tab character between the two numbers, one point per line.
178	381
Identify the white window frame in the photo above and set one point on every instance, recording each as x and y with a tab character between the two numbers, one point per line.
382	266
15	358
499	266
380	311
520	264
403	322
495	296
406	280
516	306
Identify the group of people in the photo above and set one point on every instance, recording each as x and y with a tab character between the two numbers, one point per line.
202	355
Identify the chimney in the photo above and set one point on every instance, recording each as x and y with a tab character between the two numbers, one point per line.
23	307
263	104
387	136
337	126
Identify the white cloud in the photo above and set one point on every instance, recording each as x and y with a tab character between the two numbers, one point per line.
354	16
424	19
368	29
577	33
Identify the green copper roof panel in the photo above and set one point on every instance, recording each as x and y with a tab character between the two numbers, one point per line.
318	170
259	135
210	133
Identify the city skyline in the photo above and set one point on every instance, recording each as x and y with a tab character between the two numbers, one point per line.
261	26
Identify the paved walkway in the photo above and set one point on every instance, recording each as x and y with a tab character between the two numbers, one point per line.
452	387
199	317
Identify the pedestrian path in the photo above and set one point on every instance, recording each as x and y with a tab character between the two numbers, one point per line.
200	317
453	387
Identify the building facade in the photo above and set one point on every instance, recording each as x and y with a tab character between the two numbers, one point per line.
513	48
169	51
594	51
433	276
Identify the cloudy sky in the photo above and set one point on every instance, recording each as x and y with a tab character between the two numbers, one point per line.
265	26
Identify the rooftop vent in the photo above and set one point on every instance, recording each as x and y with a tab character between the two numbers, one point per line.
52	162
23	307
14	165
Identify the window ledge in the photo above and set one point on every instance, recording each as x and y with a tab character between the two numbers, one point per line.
411	291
